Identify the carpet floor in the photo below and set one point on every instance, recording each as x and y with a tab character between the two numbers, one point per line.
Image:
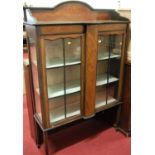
91	137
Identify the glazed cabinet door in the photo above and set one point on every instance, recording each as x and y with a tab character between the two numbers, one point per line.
109	64
63	70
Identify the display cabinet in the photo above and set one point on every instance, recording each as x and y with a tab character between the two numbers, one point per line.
77	61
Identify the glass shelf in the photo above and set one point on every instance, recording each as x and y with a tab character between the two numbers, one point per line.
60	63
100	103
54	63
72	61
58	89
105	55
102	79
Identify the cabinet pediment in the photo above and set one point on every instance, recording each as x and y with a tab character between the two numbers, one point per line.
69	12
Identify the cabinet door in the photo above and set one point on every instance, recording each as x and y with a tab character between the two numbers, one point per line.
63	56
108	68
116	42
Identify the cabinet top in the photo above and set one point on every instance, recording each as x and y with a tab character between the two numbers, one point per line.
72	12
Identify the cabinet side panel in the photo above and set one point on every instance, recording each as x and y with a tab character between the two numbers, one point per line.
36	66
90	80
125	120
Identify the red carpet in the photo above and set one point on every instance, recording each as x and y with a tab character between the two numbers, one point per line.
92	137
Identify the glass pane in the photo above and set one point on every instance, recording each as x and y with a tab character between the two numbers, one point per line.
100	96
116	44
104	48
101	82
38	103
73	104
72	51
55	82
35	79
73	88
54	53
72	79
114	68
56	109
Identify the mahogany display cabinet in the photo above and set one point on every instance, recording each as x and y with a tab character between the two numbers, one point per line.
77	58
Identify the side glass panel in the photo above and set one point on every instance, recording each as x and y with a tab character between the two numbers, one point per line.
63	68
114	67
35	78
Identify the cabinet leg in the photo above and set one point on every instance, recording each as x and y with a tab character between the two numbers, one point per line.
46	142
116	124
126	133
39	136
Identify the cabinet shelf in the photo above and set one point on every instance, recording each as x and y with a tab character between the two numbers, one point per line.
58	89
105	55
102	79
60	63
100	103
